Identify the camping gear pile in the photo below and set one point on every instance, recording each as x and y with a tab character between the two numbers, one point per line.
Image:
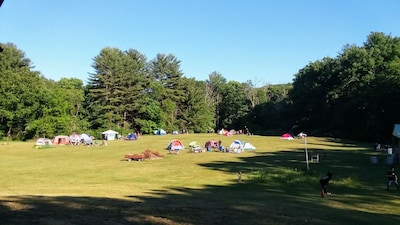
78	139
211	145
195	147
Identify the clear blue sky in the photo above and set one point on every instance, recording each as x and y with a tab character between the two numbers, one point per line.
266	41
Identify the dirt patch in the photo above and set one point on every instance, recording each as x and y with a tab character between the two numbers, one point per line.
147	154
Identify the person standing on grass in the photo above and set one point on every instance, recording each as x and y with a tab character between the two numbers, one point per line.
324	181
392	178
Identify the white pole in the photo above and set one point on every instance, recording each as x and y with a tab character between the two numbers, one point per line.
305	144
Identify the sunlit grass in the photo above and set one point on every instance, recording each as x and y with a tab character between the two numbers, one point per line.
181	189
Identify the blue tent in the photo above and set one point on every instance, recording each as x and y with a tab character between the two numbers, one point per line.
131	137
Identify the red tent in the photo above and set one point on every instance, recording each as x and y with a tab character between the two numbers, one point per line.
287	136
175	145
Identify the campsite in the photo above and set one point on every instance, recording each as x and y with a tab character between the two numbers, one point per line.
80	185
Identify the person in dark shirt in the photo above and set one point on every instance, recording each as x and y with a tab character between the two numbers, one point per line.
324	181
392	178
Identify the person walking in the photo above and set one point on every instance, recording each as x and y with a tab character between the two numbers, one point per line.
392	178
324	181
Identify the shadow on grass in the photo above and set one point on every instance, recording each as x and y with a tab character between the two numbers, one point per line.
286	195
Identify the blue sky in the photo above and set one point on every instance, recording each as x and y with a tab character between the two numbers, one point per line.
266	41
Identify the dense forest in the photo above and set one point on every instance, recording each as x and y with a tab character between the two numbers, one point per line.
354	95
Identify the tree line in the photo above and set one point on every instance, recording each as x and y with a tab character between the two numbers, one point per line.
353	95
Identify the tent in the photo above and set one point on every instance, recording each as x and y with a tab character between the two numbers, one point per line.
43	141
109	135
175	145
160	132
232	132
236	144
287	136
61	140
131	137
236	147
86	139
248	146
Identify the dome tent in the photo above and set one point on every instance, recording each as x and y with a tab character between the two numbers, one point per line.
175	145
287	136
248	146
160	132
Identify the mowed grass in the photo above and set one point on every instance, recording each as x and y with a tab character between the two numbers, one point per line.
69	185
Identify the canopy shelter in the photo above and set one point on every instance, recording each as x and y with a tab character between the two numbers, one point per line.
110	135
396	130
396	133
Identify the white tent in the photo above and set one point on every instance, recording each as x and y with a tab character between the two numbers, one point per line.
160	132
43	141
248	146
109	135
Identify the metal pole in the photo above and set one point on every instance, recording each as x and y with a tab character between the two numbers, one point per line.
305	144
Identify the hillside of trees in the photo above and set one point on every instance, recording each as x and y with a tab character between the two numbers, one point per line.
354	95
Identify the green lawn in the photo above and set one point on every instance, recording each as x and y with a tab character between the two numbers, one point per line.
74	185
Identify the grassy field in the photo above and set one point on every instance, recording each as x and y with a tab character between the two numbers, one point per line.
74	185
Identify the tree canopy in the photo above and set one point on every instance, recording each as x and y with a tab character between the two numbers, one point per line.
353	95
